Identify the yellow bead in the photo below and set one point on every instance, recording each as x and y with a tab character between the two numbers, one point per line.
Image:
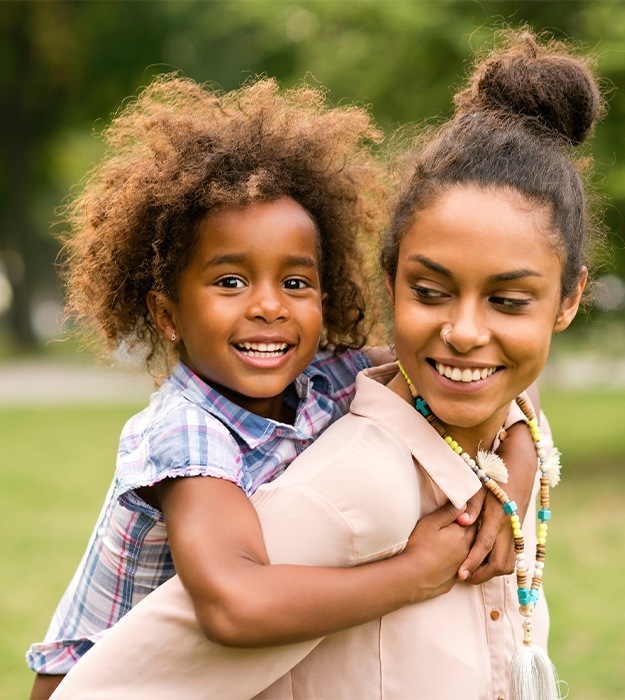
542	540
448	439
453	444
517	533
532	423
515	519
458	450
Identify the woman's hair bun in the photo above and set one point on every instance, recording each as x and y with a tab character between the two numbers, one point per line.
555	89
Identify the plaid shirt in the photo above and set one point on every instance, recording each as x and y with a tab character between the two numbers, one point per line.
187	430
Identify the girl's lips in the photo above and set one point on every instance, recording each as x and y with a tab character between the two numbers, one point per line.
263	355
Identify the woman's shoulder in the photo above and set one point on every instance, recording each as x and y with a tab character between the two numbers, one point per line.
355	491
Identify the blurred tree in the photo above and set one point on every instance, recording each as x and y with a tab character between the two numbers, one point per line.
66	65
52	55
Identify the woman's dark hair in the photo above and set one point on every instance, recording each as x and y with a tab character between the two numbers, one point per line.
526	107
181	151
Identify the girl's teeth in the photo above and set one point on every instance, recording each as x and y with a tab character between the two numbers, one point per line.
263	349
456	375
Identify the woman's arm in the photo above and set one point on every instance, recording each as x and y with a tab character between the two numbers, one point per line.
241	600
493	551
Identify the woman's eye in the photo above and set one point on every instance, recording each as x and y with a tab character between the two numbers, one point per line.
230	283
509	303
295	284
427	293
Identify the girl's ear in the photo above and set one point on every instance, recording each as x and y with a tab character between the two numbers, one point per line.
160	308
389	290
570	304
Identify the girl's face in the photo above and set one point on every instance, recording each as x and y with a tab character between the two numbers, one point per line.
481	263
248	315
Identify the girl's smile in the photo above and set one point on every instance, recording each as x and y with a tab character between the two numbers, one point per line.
478	265
249	309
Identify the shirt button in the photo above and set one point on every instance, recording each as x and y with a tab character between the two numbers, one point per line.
494	615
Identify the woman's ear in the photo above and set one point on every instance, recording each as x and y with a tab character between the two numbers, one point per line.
160	308
570	304
389	290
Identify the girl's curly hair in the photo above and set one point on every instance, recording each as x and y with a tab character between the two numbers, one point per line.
180	151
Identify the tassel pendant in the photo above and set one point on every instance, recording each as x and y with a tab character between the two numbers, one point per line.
492	465
533	675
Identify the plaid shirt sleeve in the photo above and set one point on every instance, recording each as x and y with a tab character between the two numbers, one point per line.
128	554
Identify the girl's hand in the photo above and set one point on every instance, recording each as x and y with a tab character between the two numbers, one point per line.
438	545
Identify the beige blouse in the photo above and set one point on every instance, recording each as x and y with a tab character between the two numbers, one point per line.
352	497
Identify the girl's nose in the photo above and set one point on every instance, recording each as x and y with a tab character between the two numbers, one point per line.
268	306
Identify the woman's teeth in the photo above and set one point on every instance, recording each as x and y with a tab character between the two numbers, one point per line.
263	349
464	375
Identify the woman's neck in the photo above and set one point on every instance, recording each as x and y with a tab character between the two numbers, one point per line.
472	437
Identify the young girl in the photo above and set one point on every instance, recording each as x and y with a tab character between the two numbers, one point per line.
485	258
220	235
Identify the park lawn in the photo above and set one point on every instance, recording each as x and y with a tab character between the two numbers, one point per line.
57	464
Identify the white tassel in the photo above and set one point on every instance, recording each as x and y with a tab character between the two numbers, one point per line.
552	467
532	675
493	465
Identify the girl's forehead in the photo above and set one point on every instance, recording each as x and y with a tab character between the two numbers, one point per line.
259	228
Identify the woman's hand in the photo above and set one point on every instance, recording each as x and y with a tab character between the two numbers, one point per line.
493	551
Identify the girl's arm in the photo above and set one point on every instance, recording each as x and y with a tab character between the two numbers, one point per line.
241	600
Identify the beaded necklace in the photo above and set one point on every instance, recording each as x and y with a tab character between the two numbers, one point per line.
549	475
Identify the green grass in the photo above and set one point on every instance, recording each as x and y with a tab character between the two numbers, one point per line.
56	465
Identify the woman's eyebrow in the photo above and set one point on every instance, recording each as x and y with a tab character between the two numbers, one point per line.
431	265
502	277
514	275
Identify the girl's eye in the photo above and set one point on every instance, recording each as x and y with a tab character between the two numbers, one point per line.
427	293
295	284
509	303
230	283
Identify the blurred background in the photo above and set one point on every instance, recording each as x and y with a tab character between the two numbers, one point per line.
66	67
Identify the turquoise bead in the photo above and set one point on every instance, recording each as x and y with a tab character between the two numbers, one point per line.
524	595
544	514
510	507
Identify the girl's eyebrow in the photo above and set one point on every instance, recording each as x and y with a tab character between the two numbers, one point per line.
239	258
503	277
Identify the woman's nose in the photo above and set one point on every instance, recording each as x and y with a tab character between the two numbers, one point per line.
468	329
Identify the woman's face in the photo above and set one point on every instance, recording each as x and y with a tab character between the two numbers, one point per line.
481	263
